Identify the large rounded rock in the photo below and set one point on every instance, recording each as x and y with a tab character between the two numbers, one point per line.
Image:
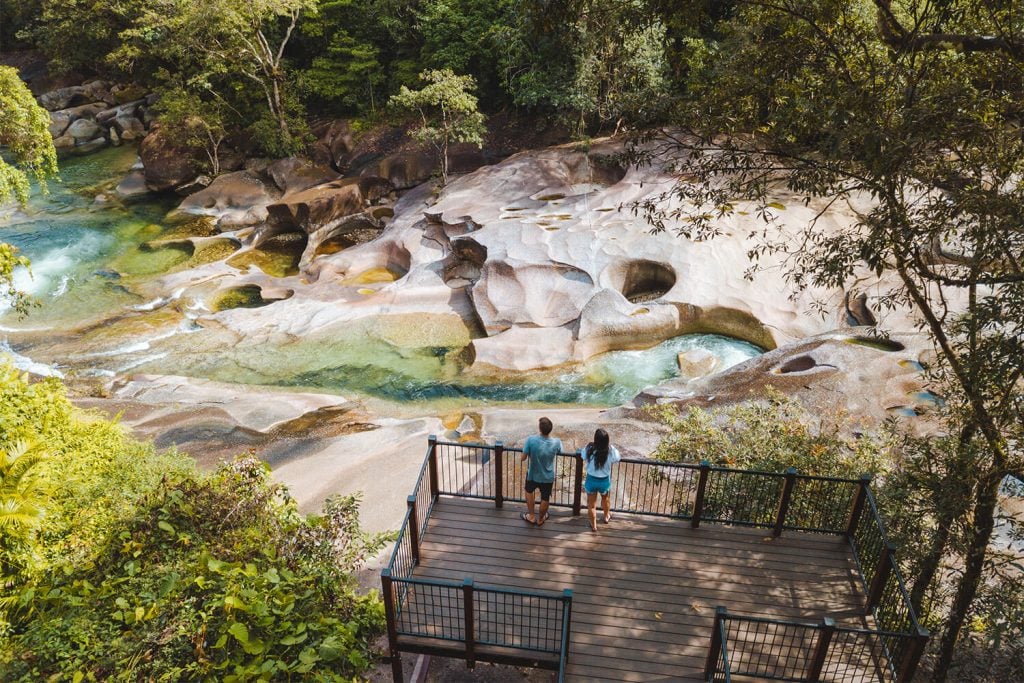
523	348
405	169
334	143
129	127
511	292
165	165
318	206
63	98
295	175
83	111
610	322
84	129
59	122
235	199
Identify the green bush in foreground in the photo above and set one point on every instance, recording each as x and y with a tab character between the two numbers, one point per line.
145	569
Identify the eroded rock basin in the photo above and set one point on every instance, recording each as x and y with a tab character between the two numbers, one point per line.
523	287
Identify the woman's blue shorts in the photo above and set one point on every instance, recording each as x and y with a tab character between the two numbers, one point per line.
600	485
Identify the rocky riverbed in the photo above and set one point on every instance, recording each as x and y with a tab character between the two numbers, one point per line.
332	312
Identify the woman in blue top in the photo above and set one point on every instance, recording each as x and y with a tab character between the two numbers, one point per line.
599	457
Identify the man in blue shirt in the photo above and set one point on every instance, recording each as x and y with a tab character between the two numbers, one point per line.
541	450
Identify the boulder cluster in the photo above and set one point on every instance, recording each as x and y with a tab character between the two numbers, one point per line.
88	117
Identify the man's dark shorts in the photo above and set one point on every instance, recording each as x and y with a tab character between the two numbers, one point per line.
545	488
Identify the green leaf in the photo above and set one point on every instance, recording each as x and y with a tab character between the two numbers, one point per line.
166	526
240	632
775	205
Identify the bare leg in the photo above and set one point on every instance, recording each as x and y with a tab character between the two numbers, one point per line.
543	512
592	510
530	499
606	503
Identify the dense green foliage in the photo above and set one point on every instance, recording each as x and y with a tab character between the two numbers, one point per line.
139	567
445	110
592	64
773	434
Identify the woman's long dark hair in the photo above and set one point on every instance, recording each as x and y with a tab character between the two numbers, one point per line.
598	448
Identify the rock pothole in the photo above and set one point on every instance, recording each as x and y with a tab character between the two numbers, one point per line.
641	280
246	296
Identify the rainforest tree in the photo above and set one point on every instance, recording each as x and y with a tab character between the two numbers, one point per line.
911	114
445	111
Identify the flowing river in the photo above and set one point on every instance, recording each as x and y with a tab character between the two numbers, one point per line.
96	314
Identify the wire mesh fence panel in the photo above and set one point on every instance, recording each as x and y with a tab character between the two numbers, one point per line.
424	499
821	504
769	649
465	470
402	562
430	609
868	540
857	656
518	620
653	488
745	498
893	612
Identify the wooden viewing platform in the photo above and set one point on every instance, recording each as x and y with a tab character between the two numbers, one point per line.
644	590
705	574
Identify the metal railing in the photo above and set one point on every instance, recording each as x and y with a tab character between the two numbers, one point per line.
741	645
459	618
783	650
699	493
804	652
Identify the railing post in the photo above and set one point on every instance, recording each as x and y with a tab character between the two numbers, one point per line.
414	529
388	593
577	484
828	627
787	494
882	573
702	486
858	505
470	633
499	474
435	488
912	655
711	663
563	658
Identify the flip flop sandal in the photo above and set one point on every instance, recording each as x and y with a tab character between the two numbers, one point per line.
544	519
522	516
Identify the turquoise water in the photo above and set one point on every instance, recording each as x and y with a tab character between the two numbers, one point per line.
76	244
89	267
610	379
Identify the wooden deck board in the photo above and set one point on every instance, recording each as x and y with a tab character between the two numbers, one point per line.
644	589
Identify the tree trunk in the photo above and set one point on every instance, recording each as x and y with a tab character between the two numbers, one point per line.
444	163
279	114
947	514
986	497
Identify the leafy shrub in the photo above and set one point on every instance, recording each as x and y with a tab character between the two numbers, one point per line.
150	570
770	435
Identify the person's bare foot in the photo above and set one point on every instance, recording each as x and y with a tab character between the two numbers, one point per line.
608	518
543	519
529	519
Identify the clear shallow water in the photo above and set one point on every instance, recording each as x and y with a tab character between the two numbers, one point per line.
88	265
610	379
75	244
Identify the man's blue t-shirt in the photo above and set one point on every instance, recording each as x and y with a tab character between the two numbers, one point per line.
542	451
